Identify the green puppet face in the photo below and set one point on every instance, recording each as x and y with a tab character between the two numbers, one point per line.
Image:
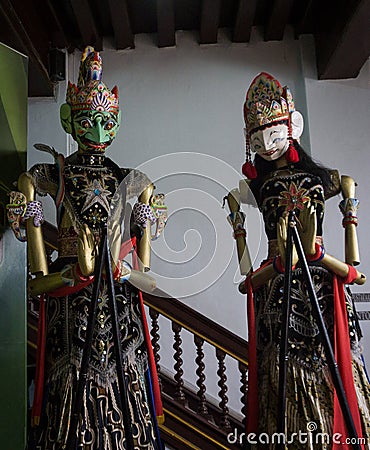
94	131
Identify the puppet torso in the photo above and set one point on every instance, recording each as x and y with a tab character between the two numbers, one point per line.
286	191
85	194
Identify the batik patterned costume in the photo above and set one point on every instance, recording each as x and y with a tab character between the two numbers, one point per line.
89	189
310	396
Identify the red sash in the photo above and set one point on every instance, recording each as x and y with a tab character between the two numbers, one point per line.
343	357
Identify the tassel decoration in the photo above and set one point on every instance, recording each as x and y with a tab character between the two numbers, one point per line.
248	167
291	154
249	170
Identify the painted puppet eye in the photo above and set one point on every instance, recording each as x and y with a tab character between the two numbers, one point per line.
85	123
109	125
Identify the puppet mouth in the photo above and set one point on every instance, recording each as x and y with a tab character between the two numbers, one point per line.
270	153
97	146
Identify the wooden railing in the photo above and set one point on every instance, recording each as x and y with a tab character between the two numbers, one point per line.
215	421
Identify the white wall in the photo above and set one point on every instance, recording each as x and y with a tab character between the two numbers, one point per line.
189	99
338	115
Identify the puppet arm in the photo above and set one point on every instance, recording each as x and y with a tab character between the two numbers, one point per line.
314	252
348	207
236	219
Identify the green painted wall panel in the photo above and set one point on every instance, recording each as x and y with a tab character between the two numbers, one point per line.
13	93
13	265
12	343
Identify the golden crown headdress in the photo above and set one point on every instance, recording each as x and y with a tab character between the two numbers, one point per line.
91	93
266	102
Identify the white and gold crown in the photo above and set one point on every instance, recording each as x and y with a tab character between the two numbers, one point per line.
266	102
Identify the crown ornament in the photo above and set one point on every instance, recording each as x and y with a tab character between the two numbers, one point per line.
91	93
266	102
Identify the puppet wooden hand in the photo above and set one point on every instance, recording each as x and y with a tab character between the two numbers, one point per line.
86	250
282	231
307	228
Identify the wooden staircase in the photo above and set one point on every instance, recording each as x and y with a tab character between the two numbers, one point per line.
193	419
189	414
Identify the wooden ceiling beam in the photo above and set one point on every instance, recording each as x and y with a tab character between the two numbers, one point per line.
209	21
28	27
166	23
121	24
343	52
244	20
59	37
277	20
30	40
86	24
305	22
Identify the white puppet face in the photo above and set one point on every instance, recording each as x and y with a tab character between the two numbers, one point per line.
270	142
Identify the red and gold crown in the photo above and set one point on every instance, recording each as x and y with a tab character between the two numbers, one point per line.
91	93
266	102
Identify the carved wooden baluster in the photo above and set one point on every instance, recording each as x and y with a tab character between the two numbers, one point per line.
155	340
179	393
244	389
224	422
202	408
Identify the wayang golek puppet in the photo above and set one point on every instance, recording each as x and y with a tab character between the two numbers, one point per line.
91	191
283	178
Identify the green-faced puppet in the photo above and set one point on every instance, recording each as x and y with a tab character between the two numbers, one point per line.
91	114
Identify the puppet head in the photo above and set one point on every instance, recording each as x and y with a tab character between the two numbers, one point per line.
271	122
91	112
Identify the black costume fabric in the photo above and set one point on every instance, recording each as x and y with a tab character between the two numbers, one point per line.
88	193
310	393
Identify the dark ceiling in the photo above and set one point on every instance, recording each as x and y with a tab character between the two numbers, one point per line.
341	28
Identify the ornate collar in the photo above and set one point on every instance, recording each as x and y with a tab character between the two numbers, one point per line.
91	160
287	169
